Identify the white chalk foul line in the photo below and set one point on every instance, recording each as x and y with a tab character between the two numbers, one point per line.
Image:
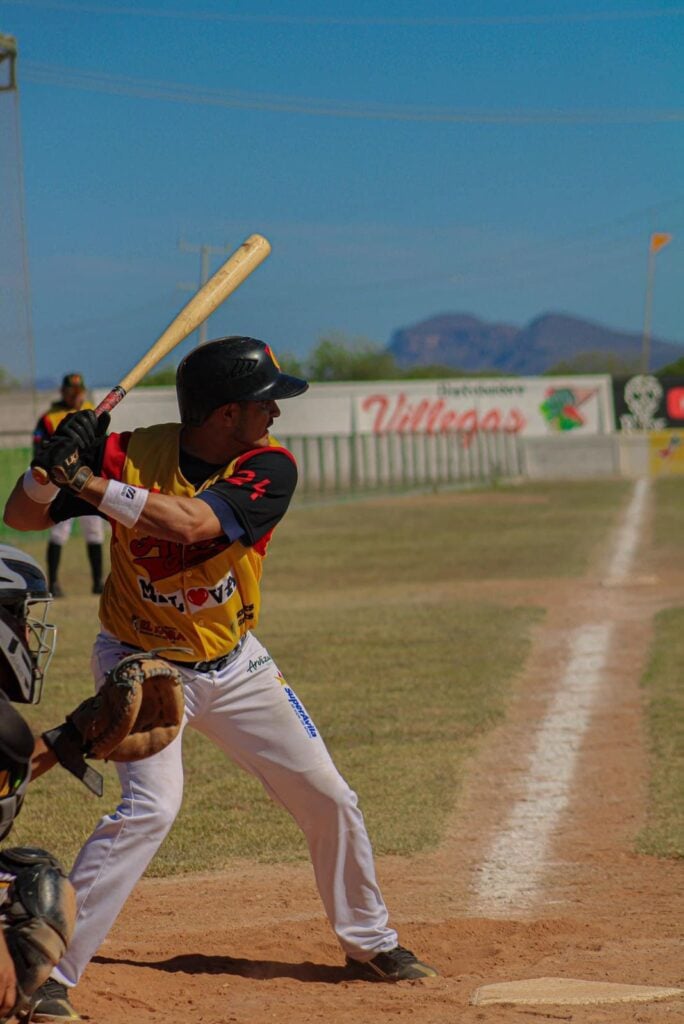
628	535
510	877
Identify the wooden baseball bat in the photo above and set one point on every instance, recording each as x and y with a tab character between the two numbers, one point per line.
224	282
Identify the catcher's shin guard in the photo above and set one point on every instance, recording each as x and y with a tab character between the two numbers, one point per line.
37	917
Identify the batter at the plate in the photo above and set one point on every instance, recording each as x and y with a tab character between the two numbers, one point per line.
192	508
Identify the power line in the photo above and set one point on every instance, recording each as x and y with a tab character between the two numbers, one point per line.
121	316
556	18
178	92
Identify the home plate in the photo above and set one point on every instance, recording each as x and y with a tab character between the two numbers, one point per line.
569	992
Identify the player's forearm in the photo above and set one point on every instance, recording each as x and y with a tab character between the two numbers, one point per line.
183	520
23	513
42	759
8	979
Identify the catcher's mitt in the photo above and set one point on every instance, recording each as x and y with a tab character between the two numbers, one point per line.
136	713
159	708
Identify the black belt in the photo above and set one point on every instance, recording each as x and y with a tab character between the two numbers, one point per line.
215	665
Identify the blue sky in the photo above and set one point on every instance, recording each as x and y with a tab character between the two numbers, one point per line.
405	159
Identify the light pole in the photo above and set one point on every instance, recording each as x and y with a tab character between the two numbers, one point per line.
658	241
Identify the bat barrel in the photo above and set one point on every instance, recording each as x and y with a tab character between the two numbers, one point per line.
227	278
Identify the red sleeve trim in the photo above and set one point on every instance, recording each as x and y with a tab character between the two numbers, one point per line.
114	455
260	451
262	544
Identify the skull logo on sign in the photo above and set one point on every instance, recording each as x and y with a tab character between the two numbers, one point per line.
642	395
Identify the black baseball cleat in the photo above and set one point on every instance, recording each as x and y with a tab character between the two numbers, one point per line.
51	1002
97	588
396	964
56	590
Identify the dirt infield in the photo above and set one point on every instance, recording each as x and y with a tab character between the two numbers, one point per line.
252	945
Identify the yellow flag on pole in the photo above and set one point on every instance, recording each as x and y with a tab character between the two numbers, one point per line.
659	240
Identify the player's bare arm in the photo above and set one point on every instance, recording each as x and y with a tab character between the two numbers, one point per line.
183	520
8	979
230	431
23	513
42	759
170	518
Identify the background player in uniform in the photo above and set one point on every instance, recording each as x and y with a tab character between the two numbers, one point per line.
192	507
73	393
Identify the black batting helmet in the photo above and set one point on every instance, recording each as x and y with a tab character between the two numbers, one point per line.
233	369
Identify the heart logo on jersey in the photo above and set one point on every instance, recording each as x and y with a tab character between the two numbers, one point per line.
198	595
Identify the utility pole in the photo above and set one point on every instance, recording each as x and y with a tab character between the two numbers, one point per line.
205	251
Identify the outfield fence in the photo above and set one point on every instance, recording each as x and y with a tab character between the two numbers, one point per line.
336	464
362	462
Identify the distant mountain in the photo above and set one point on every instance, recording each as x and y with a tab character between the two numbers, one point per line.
467	343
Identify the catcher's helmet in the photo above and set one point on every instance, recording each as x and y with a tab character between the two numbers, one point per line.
234	369
27	640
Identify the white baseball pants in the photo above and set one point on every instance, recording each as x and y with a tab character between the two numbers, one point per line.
249	711
92	528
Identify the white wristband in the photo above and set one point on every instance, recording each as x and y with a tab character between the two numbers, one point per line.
123	502
42	494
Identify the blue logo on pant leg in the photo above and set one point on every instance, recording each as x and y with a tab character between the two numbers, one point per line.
300	712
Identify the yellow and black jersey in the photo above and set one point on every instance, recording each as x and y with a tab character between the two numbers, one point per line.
202	597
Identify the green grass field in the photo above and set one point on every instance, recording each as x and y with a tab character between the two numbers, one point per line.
364	614
663	685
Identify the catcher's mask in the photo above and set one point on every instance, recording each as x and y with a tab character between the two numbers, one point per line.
233	369
16	747
27	640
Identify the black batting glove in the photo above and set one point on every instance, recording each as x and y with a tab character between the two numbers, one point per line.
62	462
81	428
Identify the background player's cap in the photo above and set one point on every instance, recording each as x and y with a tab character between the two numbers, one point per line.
73	380
233	369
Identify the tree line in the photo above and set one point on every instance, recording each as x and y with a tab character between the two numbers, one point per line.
337	357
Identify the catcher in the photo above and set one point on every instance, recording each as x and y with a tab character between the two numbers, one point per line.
137	712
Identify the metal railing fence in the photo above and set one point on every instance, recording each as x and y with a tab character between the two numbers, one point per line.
361	462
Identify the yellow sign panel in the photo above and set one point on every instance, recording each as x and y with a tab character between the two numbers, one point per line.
666	452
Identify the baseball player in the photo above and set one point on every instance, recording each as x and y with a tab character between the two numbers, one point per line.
37	903
137	712
72	399
193	507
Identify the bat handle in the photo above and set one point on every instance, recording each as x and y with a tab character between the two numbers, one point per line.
109	402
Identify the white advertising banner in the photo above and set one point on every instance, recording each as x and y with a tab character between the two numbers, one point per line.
529	406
